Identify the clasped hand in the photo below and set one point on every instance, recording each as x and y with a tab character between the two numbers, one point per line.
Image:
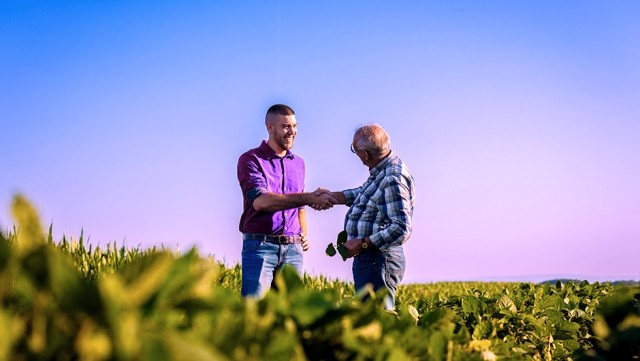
322	199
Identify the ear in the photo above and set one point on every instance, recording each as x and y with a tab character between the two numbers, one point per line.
269	128
365	155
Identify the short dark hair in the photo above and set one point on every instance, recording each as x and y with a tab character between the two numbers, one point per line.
280	109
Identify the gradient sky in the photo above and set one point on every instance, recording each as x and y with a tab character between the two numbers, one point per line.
519	120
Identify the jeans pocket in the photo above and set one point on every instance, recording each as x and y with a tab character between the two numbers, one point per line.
369	258
250	245
394	267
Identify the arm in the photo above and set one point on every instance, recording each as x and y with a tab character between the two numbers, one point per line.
338	197
397	206
354	245
254	187
272	202
302	217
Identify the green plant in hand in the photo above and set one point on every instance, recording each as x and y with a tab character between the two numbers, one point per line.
331	249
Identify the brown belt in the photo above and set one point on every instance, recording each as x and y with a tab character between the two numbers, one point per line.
272	238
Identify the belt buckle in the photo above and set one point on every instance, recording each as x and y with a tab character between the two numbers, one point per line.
283	239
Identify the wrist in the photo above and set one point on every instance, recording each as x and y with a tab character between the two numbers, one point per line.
364	245
307	198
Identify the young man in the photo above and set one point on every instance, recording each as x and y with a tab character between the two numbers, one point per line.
273	221
379	218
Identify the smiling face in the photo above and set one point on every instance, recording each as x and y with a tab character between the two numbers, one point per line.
282	131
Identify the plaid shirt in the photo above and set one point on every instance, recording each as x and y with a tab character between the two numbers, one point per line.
382	207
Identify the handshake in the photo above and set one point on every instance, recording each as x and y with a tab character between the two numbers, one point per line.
322	199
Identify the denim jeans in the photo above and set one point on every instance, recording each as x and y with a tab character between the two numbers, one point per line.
261	260
380	269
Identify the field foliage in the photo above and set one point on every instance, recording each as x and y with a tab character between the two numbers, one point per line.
62	300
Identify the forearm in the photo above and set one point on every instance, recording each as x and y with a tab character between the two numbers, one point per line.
273	202
398	209
302	217
396	234
339	197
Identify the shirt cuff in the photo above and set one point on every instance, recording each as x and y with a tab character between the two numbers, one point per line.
350	196
254	193
378	241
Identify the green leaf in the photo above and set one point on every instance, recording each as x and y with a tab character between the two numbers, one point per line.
413	312
311	306
569	328
344	252
571	345
72	291
30	234
437	345
550	302
288	280
180	347
616	307
146	277
462	335
284	348
471	305
5	251
331	250
342	238
482	330
506	302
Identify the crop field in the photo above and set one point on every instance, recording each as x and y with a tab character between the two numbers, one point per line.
65	300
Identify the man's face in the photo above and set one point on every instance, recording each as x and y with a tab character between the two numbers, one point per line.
283	131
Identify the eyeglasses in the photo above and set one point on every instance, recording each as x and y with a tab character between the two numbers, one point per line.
353	150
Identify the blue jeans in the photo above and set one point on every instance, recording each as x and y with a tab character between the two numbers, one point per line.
261	260
381	269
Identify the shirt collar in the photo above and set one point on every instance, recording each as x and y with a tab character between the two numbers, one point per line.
269	153
380	166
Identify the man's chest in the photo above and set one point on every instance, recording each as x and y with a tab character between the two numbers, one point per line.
283	175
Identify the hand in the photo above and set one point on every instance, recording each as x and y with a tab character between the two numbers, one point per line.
305	243
353	246
320	191
322	199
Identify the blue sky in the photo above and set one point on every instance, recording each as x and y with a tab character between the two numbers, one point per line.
519	121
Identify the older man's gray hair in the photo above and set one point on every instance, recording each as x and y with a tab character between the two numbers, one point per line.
374	139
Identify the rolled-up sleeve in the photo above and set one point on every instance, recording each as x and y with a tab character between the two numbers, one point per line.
251	177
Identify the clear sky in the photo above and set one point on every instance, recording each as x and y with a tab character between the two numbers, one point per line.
519	120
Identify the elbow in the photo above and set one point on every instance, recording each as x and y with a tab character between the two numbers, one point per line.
260	204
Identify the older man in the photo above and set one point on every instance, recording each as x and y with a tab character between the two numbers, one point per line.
379	218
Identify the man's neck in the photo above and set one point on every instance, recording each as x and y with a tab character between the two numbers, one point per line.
279	151
375	162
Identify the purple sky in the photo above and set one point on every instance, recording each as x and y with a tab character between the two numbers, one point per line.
519	121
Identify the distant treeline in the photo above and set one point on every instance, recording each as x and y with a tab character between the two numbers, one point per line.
630	283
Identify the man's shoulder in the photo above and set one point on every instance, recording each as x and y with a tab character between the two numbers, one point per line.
249	159
256	152
247	155
397	169
396	165
249	152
